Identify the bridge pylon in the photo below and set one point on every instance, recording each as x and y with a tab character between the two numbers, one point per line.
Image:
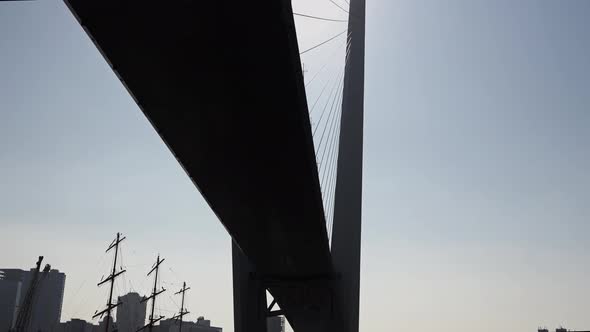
346	233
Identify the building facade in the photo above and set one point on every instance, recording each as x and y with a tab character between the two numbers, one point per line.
10	294
131	313
47	303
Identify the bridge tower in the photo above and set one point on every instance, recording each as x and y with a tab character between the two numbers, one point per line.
346	233
250	305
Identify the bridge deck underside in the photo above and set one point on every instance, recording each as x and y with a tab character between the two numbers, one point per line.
221	83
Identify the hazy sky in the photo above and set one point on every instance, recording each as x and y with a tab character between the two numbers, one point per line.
477	159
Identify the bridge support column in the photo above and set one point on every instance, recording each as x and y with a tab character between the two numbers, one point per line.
346	233
250	306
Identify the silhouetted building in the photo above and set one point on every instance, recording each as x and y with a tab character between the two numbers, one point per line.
74	325
563	329
559	329
201	325
47	304
131	314
101	327
10	294
48	299
275	324
80	325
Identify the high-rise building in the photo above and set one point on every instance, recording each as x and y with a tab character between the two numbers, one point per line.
275	324
10	294
48	298
131	313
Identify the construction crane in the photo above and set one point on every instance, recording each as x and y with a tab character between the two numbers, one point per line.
26	307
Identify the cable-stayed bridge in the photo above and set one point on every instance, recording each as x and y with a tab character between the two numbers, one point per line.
225	86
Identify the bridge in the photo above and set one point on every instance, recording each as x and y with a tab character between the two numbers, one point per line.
222	84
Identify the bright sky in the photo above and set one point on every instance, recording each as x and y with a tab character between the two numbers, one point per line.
477	183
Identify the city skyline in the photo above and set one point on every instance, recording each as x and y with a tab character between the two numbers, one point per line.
47	300
130	314
476	186
124	288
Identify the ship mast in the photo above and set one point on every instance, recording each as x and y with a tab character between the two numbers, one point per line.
111	278
155	293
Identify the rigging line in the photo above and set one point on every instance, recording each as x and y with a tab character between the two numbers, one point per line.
334	168
329	121
324	169
330	199
324	88
332	124
330	138
340	92
325	85
327	102
324	184
333	164
333	142
332	196
123	276
99	265
328	196
348	46
347	43
117	287
326	63
122	264
330	209
322	43
85	299
176	276
350	15
321	93
325	172
174	302
319	18
337	5
336	143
